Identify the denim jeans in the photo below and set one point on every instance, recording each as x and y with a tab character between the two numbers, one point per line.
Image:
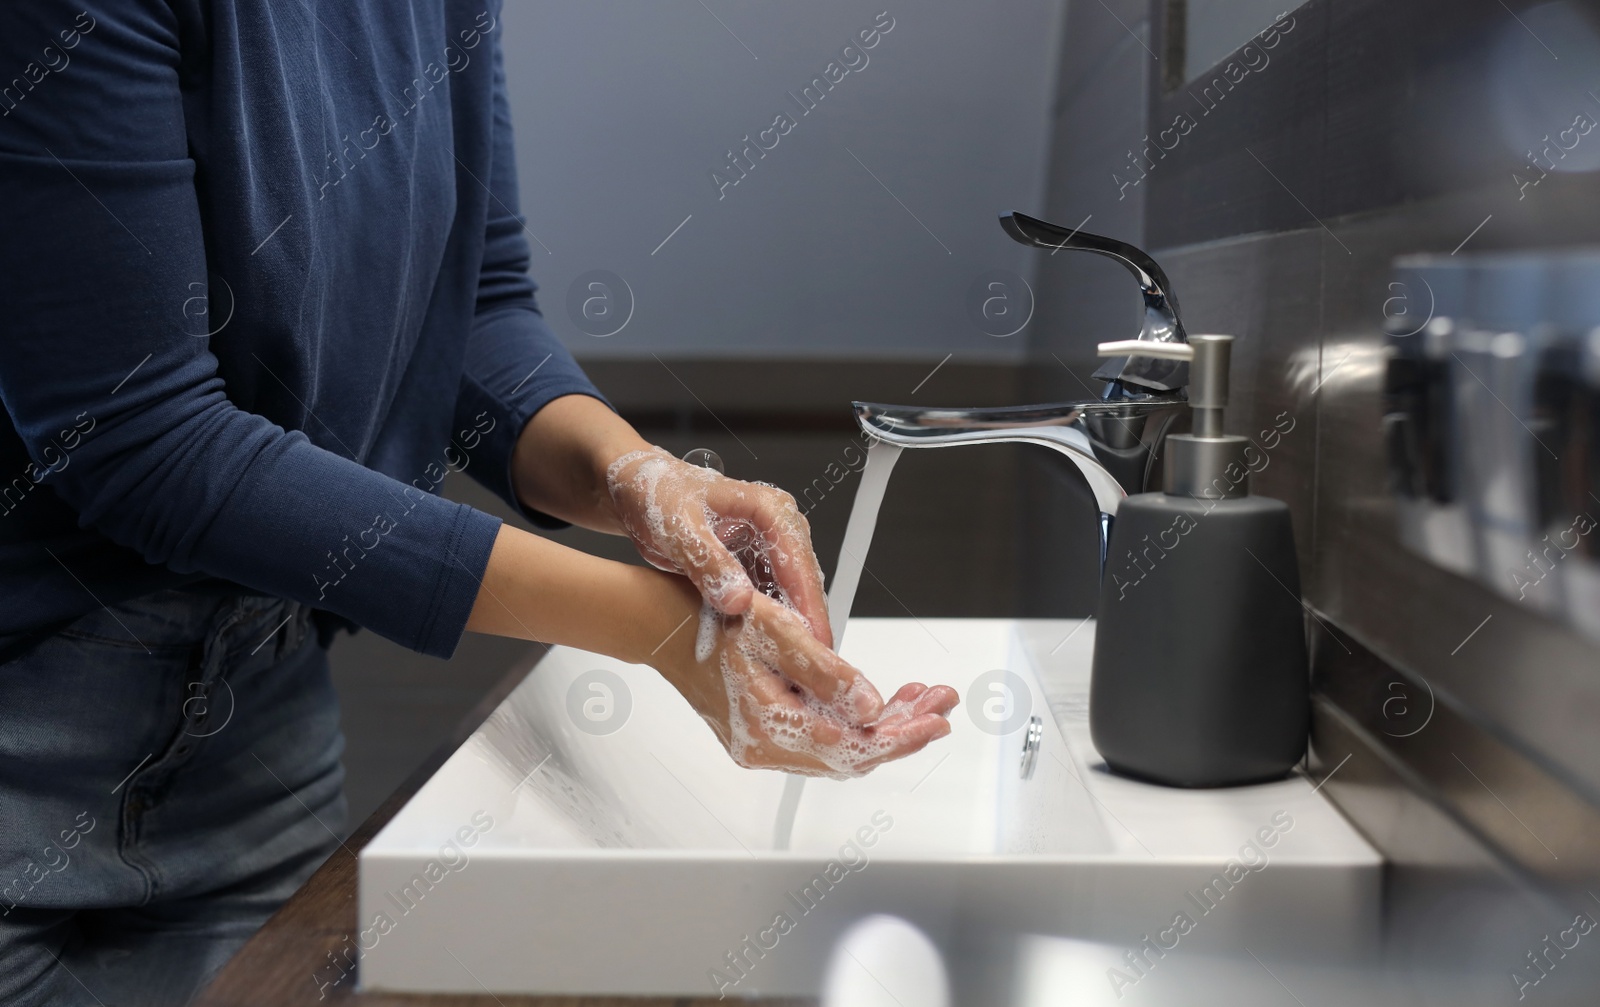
169	775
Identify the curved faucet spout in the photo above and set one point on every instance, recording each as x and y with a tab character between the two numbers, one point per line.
1077	430
1113	439
1057	427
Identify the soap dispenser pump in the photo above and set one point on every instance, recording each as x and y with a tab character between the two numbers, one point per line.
1200	676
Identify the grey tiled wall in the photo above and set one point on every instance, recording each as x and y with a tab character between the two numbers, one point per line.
1278	224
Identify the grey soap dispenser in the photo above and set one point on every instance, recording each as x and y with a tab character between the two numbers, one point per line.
1200	674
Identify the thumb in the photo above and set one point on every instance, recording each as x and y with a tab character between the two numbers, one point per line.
720	577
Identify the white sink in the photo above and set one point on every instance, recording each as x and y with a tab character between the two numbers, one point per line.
637	861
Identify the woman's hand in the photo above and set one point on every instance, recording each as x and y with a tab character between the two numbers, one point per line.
760	668
777	698
733	540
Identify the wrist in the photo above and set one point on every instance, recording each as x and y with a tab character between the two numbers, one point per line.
667	608
537	589
604	455
560	460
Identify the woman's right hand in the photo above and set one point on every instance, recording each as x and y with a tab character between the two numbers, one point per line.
778	699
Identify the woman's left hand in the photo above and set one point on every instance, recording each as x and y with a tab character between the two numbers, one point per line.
730	538
778	699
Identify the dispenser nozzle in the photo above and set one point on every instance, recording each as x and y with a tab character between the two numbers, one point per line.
1201	456
1147	348
1208	376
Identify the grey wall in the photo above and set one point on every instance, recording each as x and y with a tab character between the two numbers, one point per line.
1377	130
1213	29
1097	116
623	109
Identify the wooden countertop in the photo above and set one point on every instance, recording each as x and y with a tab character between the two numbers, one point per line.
294	959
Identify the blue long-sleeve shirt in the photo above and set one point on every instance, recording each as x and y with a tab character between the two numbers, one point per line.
263	282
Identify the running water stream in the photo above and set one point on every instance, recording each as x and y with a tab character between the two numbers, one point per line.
881	457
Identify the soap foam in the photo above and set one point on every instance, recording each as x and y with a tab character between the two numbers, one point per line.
646	481
653	476
898	708
786	727
759	556
670	541
705	642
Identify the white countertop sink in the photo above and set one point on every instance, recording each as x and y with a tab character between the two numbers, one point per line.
593	838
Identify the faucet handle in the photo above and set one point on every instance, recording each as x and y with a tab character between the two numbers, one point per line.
1043	234
1161	323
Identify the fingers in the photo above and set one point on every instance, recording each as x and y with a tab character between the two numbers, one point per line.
904	736
661	504
801	579
940	699
907	739
674	511
787	537
794	763
915	700
915	717
904	697
724	584
655	558
803	709
815	667
910	737
780	705
717	573
770	690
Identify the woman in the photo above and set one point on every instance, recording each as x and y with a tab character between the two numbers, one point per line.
264	283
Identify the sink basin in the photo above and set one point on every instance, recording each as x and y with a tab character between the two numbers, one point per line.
593	838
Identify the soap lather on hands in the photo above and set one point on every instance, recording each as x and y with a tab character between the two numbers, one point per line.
762	672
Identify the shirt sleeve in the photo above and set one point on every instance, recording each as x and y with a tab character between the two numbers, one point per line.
102	237
514	364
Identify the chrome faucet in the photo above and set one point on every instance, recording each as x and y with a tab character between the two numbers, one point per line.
1111	439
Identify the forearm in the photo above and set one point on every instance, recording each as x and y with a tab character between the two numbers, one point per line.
536	589
773	693
559	465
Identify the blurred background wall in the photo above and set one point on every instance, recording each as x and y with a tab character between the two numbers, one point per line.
855	236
